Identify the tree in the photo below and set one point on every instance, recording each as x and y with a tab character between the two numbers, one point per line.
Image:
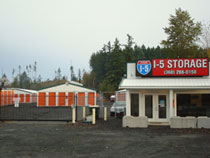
13	73
59	74
73	77
89	79
79	76
19	70
24	81
4	82
98	61
35	71
205	38
4	76
128	52
115	68
183	33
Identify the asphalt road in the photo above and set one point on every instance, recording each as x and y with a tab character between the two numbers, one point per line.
105	139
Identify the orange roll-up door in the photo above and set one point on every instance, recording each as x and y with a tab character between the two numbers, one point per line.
70	98
9	97
1	103
91	98
5	98
42	99
81	99
27	98
12	96
52	98
34	98
16	96
61	99
21	98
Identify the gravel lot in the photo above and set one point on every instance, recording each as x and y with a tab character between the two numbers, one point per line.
105	139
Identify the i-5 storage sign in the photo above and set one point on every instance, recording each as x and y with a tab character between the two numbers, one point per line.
173	67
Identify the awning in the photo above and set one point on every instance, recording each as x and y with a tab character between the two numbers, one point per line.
166	83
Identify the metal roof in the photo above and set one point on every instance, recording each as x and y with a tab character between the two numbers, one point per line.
22	91
67	87
166	83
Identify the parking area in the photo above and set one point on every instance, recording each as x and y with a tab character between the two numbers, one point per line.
105	139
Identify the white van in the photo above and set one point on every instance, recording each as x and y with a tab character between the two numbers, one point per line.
119	106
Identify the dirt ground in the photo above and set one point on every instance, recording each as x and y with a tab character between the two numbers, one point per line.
105	139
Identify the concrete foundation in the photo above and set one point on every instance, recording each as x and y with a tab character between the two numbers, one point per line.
135	122
203	122
183	122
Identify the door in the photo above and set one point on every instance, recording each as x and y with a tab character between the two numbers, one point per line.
162	111
156	106
134	104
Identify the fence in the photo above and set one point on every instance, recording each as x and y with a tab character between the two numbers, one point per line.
49	107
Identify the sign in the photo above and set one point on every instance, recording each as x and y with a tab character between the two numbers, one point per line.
144	67
173	67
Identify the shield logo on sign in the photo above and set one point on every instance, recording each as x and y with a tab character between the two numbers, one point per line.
144	67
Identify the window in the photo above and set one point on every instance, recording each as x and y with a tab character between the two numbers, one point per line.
148	105
134	104
193	105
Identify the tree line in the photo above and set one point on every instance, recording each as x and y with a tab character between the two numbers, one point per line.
108	65
185	39
27	78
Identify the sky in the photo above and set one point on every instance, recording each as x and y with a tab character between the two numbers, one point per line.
60	33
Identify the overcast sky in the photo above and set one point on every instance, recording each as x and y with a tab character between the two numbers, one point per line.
56	33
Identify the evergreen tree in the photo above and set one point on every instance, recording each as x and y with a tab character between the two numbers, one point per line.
183	33
73	77
79	76
24	81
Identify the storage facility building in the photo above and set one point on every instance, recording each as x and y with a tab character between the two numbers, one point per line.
67	94
160	89
25	95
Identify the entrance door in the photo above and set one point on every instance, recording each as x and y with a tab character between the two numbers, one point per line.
156	107
162	107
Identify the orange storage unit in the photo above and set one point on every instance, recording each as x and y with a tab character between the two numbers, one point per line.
34	98
1	103
16	96
12	96
21	98
9	97
91	98
5	98
27	98
42	99
61	99
52	98
81	99
70	98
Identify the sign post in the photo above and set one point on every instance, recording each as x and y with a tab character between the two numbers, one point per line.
16	101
